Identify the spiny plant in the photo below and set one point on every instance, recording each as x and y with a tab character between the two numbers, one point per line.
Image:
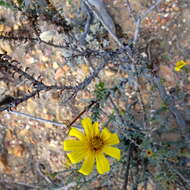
138	106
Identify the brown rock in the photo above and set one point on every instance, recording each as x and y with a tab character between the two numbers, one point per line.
61	72
167	74
16	150
9	135
4	164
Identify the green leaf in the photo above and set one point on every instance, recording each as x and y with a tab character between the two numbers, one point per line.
5	4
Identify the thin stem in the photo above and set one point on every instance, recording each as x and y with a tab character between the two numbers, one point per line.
37	118
81	113
141	17
128	166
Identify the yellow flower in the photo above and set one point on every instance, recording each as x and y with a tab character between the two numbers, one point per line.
91	147
179	65
149	153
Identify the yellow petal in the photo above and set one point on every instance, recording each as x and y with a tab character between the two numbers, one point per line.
179	65
113	139
88	164
96	131
76	133
87	125
112	151
102	163
76	156
73	145
105	134
177	69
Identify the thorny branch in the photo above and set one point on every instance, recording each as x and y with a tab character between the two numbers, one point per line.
168	100
130	10
95	101
104	18
99	10
39	40
140	18
39	85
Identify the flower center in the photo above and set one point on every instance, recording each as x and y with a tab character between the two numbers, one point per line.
96	143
